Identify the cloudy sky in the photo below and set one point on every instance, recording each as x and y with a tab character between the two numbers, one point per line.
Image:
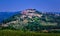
41	5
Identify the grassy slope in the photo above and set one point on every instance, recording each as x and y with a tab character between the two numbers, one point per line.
20	33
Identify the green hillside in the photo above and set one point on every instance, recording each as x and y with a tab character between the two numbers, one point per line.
32	20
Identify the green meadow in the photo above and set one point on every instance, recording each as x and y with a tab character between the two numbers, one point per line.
28	33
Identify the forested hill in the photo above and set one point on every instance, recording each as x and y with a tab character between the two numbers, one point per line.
5	15
32	19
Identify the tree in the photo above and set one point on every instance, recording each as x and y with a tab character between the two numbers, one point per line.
34	25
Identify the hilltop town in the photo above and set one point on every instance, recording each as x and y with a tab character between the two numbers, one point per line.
33	20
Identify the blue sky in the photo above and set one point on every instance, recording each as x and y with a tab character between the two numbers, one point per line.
41	5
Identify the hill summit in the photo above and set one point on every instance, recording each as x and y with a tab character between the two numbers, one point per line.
30	13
